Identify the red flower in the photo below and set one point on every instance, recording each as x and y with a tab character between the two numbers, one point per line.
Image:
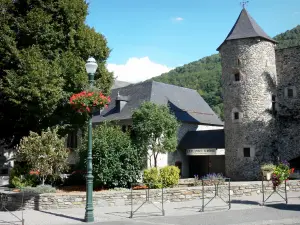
32	172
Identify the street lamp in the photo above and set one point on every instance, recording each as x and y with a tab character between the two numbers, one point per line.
91	67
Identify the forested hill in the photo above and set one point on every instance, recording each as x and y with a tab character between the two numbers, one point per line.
204	75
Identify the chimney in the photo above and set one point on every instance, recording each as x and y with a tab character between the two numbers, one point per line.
121	101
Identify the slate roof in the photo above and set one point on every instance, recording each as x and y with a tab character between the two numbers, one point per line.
118	84
203	139
246	27
187	105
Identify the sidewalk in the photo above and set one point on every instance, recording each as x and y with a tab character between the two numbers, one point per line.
243	211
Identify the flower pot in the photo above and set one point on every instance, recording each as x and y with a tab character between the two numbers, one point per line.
267	174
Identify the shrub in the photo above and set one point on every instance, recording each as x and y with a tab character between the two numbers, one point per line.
169	176
46	153
152	178
268	167
20	176
41	189
213	178
76	178
116	162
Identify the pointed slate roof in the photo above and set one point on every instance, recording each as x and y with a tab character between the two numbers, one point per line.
246	27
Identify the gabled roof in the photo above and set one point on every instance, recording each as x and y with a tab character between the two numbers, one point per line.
203	139
246	27
187	105
119	84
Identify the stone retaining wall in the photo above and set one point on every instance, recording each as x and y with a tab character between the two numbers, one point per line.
121	198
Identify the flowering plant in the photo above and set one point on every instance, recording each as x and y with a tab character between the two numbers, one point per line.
281	173
86	100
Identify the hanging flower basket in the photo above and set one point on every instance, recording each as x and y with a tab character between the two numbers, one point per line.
87	101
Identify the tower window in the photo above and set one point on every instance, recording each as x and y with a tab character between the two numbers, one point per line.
236	115
273	104
290	92
247	152
239	62
237	77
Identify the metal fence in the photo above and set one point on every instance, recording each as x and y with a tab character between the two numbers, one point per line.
8	196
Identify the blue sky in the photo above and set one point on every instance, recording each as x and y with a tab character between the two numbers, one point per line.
176	32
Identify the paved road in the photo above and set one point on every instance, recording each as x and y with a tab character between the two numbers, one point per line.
244	211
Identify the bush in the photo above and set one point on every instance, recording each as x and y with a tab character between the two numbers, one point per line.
76	178
169	176
20	176
152	178
268	167
116	162
41	189
45	153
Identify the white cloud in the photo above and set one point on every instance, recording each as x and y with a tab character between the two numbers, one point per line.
178	18
137	69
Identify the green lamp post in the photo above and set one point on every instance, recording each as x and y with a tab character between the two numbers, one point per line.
91	67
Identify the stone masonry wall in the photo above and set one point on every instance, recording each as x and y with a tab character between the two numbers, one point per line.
288	119
121	198
254	60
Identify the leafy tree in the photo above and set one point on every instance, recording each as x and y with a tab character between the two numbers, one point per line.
116	162
46	153
43	48
155	129
289	38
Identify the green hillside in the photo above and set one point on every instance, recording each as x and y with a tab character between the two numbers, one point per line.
204	75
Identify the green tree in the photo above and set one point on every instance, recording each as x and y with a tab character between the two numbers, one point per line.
155	129
45	153
116	162
43	48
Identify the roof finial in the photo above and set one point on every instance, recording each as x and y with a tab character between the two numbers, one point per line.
244	3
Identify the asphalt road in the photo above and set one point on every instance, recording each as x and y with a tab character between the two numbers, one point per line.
272	214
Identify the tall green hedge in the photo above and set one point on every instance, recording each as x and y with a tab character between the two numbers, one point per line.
116	162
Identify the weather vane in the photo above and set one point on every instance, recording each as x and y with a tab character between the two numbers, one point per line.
244	3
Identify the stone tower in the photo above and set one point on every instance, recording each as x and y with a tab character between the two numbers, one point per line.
248	76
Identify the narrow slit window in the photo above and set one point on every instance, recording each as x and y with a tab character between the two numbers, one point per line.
273	104
247	152
237	77
290	93
236	115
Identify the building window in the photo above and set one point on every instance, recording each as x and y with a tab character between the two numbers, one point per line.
290	92
274	104
247	152
72	140
237	77
236	115
239	62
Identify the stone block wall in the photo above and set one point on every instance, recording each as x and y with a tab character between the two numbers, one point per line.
123	198
288	119
253	61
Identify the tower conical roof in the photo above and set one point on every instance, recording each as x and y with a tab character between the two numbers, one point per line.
246	27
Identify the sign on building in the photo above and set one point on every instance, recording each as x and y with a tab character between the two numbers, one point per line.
195	152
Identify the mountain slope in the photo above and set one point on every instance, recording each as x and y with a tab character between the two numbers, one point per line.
204	75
